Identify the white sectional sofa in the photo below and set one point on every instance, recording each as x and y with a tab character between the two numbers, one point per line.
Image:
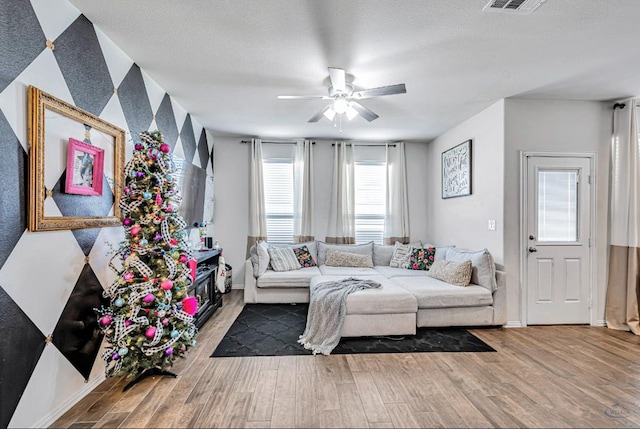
407	299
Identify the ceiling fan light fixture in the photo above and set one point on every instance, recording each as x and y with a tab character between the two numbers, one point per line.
351	112
330	113
340	105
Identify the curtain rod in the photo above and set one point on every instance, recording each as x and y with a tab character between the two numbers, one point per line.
284	142
620	105
369	145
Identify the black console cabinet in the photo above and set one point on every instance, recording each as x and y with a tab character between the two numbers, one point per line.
204	288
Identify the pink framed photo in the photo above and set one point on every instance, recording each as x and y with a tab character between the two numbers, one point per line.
85	164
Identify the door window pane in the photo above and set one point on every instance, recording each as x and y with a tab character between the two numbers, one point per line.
558	206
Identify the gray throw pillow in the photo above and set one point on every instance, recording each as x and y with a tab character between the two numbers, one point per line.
484	269
456	273
283	259
382	254
259	255
337	258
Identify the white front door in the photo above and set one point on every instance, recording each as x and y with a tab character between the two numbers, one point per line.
558	240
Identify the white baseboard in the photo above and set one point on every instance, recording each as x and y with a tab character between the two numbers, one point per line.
235	286
54	415
513	324
600	323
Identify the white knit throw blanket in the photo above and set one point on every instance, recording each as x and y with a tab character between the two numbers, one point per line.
327	308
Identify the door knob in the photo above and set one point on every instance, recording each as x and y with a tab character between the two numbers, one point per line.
532	237
532	249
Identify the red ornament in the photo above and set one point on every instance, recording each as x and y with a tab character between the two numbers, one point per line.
165	148
192	265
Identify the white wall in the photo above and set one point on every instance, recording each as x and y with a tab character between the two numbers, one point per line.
231	198
554	126
463	221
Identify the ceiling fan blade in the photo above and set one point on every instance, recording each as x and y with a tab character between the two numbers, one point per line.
318	116
338	80
303	97
363	111
377	92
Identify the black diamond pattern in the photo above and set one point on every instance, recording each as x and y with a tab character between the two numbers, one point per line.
166	121
188	139
273	330
82	205
86	238
22	345
135	102
83	66
77	334
203	149
13	179
21	39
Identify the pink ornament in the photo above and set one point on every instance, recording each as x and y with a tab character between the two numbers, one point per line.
169	351
135	229
165	148
126	221
148	298
127	190
127	323
173	242
138	146
183	258
166	284
106	320
128	275
190	305
150	332
158	199
169	209
165	321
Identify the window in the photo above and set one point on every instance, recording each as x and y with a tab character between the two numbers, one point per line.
370	200
278	190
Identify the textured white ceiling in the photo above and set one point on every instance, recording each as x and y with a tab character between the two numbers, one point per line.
226	61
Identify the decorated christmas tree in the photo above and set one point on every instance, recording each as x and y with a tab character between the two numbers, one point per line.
149	321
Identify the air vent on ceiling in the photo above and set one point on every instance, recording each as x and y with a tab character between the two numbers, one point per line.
513	6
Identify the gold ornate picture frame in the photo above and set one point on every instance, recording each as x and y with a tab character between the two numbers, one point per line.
52	123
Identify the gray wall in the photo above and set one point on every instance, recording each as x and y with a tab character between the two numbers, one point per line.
554	126
463	221
231	199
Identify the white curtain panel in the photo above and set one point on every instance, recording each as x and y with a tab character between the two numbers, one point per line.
303	226
257	216
624	254
342	227
396	223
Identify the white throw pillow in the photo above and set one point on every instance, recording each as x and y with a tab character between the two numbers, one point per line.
483	268
311	245
283	259
402	253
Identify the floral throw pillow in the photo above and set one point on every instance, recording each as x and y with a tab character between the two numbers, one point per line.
304	257
421	258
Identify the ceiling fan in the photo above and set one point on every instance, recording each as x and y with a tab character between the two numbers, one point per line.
344	98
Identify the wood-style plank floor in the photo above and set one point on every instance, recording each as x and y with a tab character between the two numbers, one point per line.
557	376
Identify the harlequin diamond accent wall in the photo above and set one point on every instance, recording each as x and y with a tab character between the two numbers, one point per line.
50	281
